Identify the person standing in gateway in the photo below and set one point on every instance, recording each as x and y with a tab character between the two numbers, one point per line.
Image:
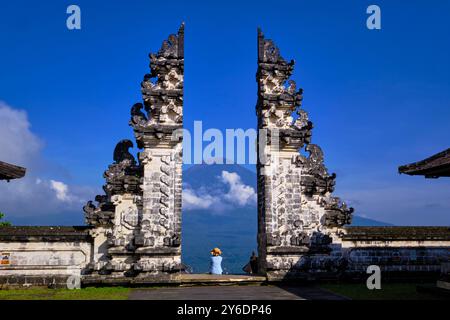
216	262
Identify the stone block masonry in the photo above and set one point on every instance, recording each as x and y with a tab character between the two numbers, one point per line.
398	251
43	256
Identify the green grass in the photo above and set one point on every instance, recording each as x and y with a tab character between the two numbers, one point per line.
105	293
356	291
388	291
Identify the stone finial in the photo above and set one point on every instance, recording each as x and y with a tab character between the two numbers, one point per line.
278	96
162	93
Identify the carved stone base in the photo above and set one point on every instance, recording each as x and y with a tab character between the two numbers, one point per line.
158	259
121	264
151	278
281	266
443	284
285	275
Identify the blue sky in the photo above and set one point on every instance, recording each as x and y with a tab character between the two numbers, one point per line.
378	98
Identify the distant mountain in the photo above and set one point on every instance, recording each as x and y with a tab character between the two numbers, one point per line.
366	222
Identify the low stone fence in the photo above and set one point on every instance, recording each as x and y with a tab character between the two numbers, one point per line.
42	256
398	251
48	256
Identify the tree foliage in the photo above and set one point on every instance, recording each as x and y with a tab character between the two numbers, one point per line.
2	222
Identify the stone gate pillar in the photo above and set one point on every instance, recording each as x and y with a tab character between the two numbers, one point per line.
159	134
136	225
297	216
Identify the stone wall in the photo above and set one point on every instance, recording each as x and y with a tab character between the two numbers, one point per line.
400	252
43	256
47	256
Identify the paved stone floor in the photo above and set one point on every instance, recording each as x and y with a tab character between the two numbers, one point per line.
223	278
248	292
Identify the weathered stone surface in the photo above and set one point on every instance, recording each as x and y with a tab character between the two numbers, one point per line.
44	279
43	256
44	233
394	233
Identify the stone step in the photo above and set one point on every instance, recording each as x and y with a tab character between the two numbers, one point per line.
173	279
199	279
443	284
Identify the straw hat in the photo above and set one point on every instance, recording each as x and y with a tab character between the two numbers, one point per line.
216	252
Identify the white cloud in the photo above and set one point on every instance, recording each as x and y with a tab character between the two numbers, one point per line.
239	192
195	200
62	191
219	200
35	194
17	143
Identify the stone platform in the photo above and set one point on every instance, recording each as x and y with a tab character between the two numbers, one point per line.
212	279
175	279
249	292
